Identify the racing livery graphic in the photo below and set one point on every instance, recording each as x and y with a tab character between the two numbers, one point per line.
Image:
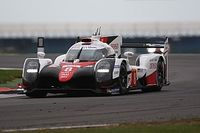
96	64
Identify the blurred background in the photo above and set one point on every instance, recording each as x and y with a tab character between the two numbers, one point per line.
62	21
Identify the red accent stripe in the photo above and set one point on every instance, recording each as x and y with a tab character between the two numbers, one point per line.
78	64
133	78
151	79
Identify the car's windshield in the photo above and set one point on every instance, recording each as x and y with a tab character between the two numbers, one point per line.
86	54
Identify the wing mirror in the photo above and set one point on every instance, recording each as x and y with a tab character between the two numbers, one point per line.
40	55
128	54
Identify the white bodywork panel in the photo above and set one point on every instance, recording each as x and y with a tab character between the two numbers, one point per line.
116	69
59	59
141	71
149	61
116	45
44	62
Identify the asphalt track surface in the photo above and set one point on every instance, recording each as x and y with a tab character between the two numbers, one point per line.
180	100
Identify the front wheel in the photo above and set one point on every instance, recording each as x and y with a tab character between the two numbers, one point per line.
122	82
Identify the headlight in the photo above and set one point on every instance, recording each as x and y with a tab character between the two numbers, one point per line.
103	71
32	65
103	65
31	69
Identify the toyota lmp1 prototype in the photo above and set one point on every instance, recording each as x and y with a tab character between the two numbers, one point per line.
95	64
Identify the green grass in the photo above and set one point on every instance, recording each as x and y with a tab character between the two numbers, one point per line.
191	126
11	84
9	75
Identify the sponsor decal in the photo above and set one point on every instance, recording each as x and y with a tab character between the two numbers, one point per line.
66	73
153	60
68	69
140	70
116	72
117	66
113	91
114	45
153	66
89	47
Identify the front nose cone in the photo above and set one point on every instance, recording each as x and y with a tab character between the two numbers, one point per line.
48	77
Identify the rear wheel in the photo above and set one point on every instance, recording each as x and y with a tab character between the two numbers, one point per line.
122	82
160	75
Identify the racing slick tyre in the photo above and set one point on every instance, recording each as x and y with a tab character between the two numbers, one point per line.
160	75
36	94
122	82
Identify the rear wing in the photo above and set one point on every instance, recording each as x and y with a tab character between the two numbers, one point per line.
161	46
114	41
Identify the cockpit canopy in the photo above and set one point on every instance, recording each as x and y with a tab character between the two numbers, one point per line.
90	51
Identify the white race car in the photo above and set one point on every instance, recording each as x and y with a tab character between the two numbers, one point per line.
95	64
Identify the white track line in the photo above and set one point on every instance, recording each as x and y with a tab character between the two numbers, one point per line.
61	127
